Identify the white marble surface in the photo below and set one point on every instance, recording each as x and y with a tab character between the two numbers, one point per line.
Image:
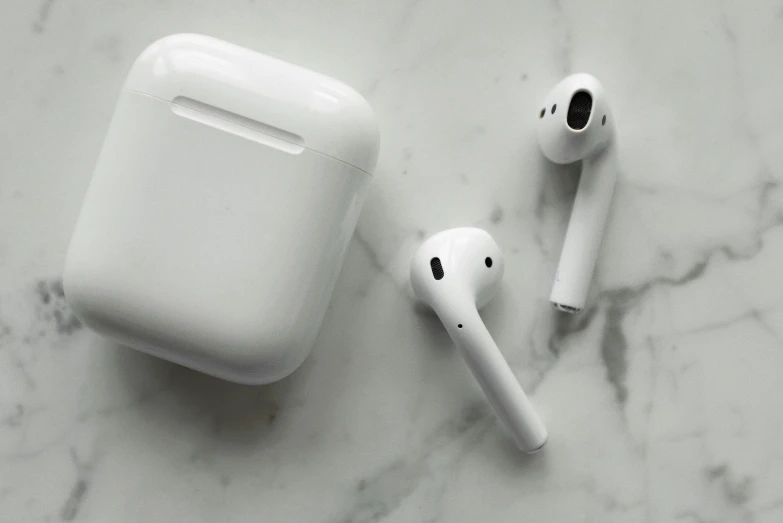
664	400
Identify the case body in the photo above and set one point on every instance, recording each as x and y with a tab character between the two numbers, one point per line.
221	206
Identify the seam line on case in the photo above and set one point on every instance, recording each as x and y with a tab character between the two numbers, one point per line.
245	127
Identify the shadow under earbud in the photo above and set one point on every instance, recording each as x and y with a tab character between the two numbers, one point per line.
558	185
497	312
431	325
514	463
564	325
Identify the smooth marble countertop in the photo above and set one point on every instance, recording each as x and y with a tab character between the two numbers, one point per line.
664	399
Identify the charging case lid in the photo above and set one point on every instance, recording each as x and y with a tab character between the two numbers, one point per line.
289	103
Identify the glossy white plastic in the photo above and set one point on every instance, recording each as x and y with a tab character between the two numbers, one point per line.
221	207
593	144
456	272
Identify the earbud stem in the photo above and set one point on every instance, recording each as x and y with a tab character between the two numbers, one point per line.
585	231
495	378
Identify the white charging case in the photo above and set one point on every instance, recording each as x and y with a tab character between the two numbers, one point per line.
220	209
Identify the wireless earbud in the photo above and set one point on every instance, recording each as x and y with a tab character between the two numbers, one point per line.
575	123
456	272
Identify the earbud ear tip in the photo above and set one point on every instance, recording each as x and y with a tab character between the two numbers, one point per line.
580	126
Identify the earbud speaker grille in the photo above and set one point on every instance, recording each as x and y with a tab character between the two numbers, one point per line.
579	110
437	268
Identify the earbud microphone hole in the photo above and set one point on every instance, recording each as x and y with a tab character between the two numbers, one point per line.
488	261
459	326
